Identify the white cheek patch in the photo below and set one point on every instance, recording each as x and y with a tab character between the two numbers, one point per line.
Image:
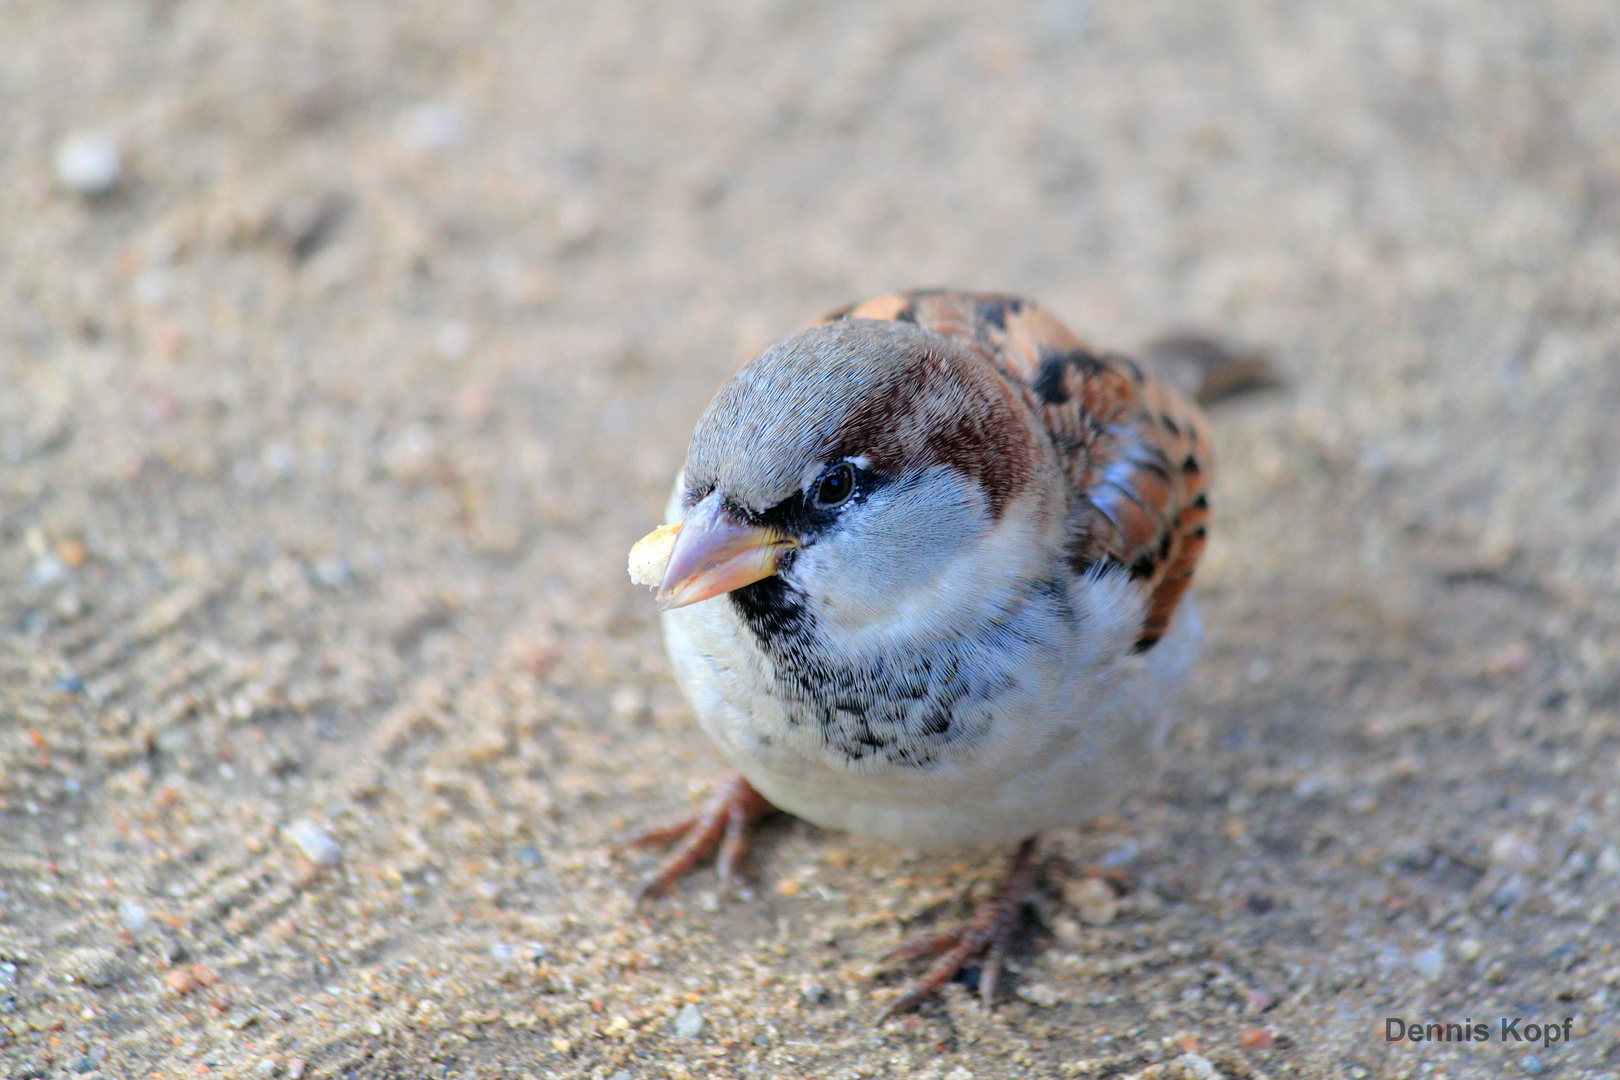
925	550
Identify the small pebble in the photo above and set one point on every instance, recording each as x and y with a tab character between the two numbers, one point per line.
1310	786
409	454
279	460
1608	861
1429	963
47	571
72	552
453	340
1513	851
181	981
97	967
1120	856
435	127
132	915
331	572
1361	802
1199	1066
295	1069
1066	19
688	1022
1257	1039
1093	900
172	740
317	847
89	164
1040	994
1532	1065
155	287
627	702
1513	889
267	1066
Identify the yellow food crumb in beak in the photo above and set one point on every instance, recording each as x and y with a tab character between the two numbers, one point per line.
650	555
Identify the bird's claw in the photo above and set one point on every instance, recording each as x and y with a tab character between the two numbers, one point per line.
986	931
721	826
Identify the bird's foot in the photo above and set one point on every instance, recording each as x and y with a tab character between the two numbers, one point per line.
986	931
722	825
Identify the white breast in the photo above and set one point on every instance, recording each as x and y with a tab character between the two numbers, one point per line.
1068	721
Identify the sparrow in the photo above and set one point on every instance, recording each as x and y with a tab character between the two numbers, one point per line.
926	582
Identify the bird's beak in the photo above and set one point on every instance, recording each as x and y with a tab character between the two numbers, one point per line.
715	553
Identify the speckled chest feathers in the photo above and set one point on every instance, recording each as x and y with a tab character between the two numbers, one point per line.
903	707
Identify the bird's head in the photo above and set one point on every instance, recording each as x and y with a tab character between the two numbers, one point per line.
860	462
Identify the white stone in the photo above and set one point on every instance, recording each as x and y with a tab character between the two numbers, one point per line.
133	916
688	1022
317	847
89	163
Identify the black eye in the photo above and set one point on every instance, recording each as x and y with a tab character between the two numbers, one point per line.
835	487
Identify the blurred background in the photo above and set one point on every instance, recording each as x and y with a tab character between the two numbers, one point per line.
345	349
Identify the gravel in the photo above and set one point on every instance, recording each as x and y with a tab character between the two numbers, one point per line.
341	375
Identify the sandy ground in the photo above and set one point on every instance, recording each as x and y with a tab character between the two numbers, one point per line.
325	703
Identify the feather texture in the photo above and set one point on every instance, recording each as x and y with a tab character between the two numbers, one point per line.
1136	453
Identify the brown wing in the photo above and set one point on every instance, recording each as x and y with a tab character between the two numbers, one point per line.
1137	454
